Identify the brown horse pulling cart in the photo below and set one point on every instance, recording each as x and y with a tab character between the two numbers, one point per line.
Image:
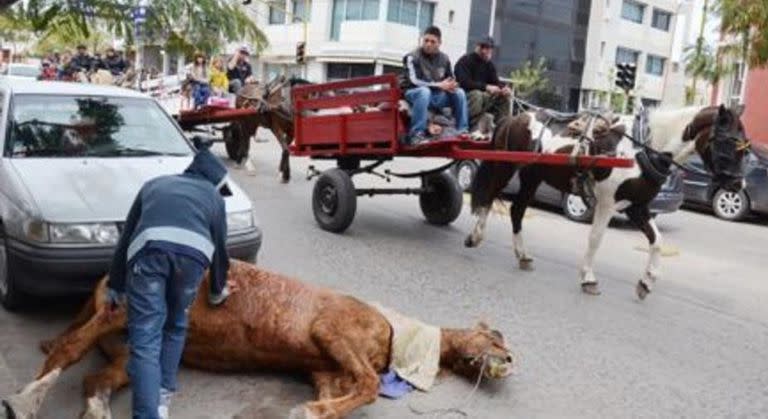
360	120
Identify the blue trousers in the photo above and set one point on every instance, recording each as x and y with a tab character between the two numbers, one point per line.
160	287
200	94
422	99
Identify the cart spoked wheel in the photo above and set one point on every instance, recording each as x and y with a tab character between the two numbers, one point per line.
441	202
334	200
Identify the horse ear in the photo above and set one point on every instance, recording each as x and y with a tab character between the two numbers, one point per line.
482	325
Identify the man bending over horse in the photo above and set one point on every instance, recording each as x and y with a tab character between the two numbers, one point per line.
176	229
429	84
477	75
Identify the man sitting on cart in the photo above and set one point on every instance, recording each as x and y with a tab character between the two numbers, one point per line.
239	71
477	75
429	84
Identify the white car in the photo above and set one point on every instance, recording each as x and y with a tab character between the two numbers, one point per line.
17	71
74	158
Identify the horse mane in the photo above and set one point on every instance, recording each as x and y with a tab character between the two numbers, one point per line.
667	126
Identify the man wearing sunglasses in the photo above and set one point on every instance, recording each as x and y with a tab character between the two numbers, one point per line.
477	75
429	84
175	230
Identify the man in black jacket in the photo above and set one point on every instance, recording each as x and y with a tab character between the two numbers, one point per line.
82	61
428	83
477	75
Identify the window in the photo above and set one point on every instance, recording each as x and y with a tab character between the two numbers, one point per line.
343	71
352	10
737	82
277	13
392	69
411	12
661	19
655	65
632	10
299	12
626	55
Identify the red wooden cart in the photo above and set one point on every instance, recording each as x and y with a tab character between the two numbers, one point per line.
358	120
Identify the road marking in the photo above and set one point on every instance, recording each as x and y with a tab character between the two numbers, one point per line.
667	250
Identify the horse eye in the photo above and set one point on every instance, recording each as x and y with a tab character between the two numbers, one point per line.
497	334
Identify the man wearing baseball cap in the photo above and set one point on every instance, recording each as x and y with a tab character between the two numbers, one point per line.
239	71
477	75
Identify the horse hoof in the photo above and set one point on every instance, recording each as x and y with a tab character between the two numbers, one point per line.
468	242
526	264
8	411
642	290
590	288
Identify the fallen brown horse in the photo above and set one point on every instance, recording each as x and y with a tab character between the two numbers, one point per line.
272	322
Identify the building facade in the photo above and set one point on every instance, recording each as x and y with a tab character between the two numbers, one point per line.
630	31
528	30
746	86
352	38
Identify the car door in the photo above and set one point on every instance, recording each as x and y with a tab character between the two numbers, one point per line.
696	186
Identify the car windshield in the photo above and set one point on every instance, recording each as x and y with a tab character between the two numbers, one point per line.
91	126
23	70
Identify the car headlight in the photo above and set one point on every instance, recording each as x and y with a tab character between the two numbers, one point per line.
241	220
103	234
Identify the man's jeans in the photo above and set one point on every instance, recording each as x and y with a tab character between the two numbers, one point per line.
422	99
160	288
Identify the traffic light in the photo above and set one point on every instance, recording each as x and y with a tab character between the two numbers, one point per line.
300	52
625	75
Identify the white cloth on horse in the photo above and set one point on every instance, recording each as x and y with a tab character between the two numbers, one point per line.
415	355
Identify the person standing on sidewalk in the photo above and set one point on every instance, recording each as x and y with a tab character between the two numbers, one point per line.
477	75
175	230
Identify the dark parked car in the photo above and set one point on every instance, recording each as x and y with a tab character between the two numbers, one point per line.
669	199
732	206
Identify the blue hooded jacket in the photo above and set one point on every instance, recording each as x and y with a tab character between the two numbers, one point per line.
184	214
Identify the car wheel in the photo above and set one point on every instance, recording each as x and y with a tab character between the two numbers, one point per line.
10	296
731	206
441	205
465	174
575	209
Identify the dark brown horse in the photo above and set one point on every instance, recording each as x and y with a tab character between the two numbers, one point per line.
275	113
715	133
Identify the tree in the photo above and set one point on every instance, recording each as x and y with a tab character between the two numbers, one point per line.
747	20
530	78
187	24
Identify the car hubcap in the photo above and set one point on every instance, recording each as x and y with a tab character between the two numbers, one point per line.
576	206
465	176
328	200
730	204
3	271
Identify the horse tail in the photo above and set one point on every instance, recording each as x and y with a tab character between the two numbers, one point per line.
491	178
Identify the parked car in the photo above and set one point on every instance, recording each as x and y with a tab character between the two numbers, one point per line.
669	199
18	71
74	158
732	206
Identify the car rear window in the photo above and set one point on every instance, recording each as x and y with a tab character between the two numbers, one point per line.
91	126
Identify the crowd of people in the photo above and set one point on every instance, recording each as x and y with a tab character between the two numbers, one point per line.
217	79
76	67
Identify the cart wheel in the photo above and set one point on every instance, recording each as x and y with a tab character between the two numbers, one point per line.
334	200
442	204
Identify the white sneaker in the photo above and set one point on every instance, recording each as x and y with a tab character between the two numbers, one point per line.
165	403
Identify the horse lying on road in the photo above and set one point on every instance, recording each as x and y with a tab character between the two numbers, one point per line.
272	322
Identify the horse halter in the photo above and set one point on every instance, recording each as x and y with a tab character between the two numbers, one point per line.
725	148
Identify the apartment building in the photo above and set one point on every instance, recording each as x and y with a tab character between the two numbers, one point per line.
631	31
352	38
745	85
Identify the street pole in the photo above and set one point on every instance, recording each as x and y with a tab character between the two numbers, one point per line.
306	29
700	44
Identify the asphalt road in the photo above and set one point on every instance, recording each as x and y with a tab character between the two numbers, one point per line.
695	348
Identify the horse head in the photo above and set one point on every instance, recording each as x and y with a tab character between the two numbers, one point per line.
721	141
481	350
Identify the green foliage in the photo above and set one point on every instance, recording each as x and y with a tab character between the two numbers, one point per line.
705	63
530	78
748	21
183	24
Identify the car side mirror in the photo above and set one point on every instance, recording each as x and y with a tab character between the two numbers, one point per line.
203	141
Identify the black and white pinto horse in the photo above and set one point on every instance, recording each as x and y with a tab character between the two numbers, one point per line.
716	133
